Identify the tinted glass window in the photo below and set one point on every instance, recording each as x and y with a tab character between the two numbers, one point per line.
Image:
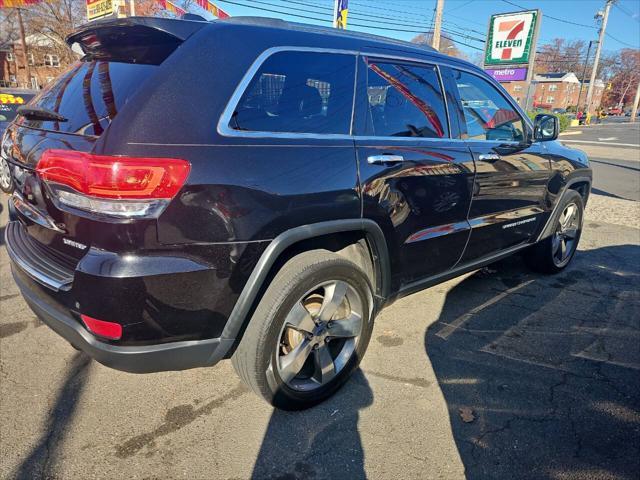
301	92
404	101
488	115
90	94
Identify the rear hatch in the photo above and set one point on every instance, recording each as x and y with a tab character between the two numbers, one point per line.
68	197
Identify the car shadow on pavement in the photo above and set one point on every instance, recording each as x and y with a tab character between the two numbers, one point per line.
41	462
597	191
322	442
541	374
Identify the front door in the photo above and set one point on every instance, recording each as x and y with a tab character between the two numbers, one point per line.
416	181
511	170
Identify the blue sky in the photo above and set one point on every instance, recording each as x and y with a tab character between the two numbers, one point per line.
465	20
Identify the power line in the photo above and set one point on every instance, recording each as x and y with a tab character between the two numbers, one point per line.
577	24
620	41
553	18
371	17
394	10
275	11
381	27
627	12
463	27
327	8
466	20
460	6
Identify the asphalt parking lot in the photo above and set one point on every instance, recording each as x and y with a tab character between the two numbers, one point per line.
499	374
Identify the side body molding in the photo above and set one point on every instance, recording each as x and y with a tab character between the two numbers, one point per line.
374	236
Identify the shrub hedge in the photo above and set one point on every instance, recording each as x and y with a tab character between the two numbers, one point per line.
563	119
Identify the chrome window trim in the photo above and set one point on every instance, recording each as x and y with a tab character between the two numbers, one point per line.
225	130
225	119
407	139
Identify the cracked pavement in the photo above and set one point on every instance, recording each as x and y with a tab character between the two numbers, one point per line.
549	366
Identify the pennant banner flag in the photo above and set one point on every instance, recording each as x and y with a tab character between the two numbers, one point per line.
211	8
171	7
18	3
341	11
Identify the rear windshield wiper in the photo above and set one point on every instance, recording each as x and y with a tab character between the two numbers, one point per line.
39	113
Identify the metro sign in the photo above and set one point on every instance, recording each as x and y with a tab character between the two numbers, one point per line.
510	38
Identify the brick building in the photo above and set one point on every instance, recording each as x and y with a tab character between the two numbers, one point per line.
45	62
556	90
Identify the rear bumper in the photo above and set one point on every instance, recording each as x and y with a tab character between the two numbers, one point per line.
134	359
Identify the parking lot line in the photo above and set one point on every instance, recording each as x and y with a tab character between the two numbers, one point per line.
451	327
594	142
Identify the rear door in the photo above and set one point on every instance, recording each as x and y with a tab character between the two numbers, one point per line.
416	180
511	170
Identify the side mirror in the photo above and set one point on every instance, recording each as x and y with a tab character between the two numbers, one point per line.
546	127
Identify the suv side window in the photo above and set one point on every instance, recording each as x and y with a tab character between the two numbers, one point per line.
488	115
299	92
404	100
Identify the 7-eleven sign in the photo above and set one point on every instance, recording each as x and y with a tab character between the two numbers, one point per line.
510	38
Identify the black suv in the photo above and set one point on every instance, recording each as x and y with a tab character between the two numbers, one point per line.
258	190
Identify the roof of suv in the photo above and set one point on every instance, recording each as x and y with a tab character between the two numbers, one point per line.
178	30
373	40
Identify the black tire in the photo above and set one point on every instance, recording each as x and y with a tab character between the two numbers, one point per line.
256	357
543	256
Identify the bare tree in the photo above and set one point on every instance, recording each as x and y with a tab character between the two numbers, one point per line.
561	55
623	69
9	30
49	23
447	45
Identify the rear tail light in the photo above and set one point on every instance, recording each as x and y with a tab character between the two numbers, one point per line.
114	186
108	330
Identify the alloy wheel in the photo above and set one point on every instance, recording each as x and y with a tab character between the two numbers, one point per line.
564	241
5	174
320	335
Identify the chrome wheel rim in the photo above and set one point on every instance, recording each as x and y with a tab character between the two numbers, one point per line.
564	241
5	174
320	335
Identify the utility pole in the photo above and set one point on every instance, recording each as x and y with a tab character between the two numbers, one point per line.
603	27
23	40
437	27
634	110
584	74
530	83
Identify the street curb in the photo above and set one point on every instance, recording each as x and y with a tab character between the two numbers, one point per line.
577	132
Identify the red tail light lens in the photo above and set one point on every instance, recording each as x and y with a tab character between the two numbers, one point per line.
109	330
105	176
122	187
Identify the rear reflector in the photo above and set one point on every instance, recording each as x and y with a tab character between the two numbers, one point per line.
109	330
109	185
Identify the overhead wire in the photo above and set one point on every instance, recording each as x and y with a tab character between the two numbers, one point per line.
251	4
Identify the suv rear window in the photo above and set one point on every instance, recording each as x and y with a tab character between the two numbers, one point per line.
299	92
89	95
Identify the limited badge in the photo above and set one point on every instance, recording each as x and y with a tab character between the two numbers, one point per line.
73	243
